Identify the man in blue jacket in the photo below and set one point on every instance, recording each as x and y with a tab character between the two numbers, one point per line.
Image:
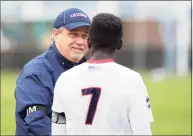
35	84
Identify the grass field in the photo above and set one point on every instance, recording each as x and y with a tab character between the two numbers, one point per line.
170	101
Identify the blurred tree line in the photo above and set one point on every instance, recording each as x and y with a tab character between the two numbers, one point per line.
143	47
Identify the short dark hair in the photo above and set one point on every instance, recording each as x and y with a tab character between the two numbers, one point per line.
105	31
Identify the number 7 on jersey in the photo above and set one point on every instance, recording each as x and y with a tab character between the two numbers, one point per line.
95	92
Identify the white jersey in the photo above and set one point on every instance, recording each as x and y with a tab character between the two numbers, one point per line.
102	97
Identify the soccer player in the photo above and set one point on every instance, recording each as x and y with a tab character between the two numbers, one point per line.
101	96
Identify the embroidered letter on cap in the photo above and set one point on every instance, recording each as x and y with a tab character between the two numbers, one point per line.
78	14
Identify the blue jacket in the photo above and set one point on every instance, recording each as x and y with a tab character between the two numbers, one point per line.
35	86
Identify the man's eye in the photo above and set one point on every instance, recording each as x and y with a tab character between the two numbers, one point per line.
72	35
85	36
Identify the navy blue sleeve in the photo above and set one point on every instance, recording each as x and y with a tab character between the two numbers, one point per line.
32	90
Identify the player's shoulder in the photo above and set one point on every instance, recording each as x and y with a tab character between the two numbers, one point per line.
76	70
127	72
130	79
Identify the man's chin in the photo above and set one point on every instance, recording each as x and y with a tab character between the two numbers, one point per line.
77	57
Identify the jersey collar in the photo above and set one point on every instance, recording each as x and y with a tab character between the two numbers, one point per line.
100	61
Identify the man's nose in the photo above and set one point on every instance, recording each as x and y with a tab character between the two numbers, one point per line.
80	41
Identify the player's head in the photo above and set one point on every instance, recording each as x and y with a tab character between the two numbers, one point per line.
70	34
105	33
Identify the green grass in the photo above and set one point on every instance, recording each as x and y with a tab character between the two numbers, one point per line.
171	105
170	101
8	80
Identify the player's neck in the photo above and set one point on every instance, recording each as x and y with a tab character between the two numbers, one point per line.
99	55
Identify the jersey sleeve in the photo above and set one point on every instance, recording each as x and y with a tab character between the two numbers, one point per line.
58	129
140	114
143	131
57	101
58	122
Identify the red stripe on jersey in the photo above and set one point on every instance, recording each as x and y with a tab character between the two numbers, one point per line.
100	61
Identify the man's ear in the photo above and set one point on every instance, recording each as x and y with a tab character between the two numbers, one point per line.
54	33
88	42
120	44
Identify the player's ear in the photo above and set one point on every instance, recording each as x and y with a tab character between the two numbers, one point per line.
88	42
120	44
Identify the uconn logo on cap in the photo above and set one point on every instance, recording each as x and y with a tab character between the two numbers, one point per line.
78	15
